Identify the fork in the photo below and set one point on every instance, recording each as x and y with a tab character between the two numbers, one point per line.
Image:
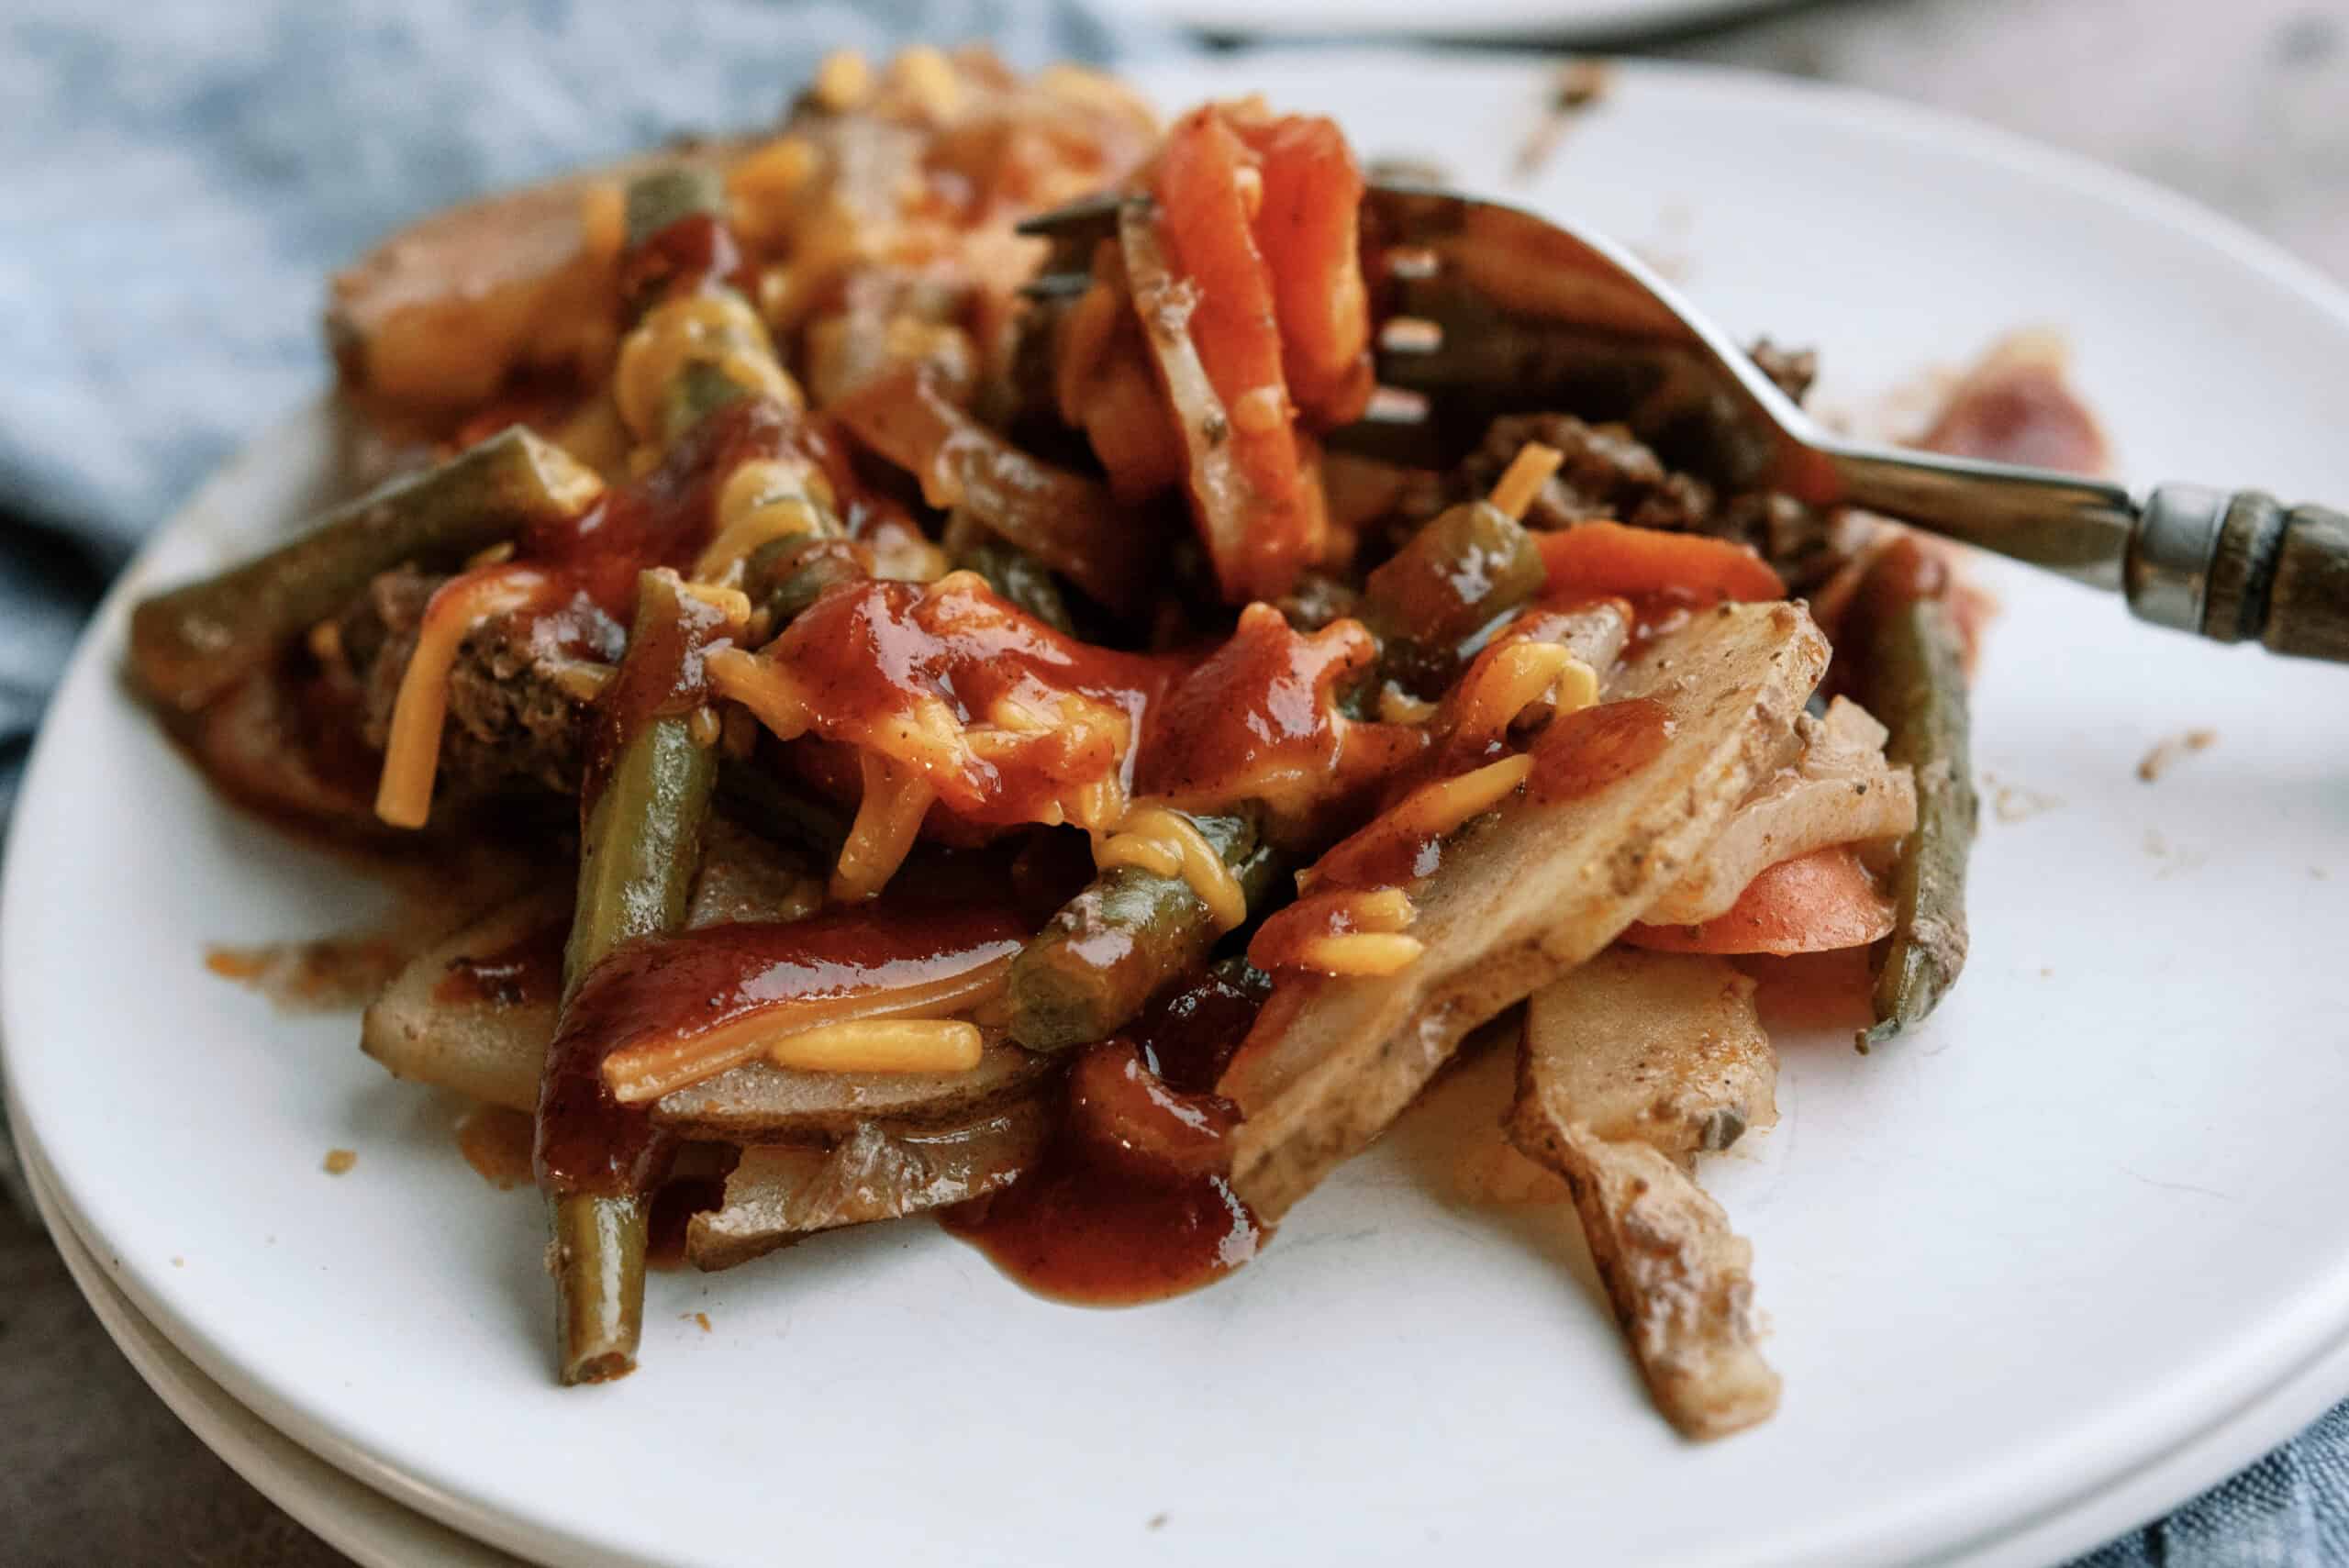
1513	313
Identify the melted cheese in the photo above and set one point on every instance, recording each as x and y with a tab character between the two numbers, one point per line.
882	1045
1168	843
1362	952
412	757
1441	809
1516	676
765	499
890	815
717	329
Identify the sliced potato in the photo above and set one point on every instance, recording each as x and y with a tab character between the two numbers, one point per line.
1664	1049
474	1044
439	315
759	1103
1533	889
782	1192
1840	791
493	1050
1631	1063
1679	1276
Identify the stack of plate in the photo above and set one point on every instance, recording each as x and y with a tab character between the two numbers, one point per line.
2080	1250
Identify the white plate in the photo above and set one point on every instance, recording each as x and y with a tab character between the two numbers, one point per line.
1556	21
365	1526
2016	1266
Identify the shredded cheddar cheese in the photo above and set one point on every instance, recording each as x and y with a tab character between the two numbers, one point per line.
1440	809
1170	844
1396	706
1362	953
765	499
1517	675
890	815
1527	472
1379	909
882	1045
412	757
731	602
646	1072
717	329
772	695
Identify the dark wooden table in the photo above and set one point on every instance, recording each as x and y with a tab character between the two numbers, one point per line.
2236	105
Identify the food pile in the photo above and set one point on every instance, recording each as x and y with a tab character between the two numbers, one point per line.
1013	741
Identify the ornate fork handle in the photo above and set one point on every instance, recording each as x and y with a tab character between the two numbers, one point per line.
2232	566
2241	566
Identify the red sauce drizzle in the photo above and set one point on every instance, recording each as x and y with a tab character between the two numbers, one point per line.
1586	750
869	654
1130	1204
1259	715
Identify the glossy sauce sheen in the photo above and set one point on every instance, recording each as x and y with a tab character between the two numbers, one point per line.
666	517
664	987
1258	717
1583	752
1130	1204
869	656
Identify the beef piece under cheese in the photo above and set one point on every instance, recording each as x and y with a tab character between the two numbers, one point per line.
1607	474
511	722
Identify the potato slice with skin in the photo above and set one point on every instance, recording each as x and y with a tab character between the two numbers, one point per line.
1630	1064
477	1045
1840	791
779	1192
1677	1275
1664	1049
1535	889
492	1051
761	1102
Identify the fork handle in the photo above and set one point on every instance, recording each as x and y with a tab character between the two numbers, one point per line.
2229	566
2239	566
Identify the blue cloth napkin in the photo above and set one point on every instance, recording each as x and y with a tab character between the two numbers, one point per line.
176	180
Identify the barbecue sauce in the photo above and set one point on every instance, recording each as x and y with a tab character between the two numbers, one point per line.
1130	1204
1583	752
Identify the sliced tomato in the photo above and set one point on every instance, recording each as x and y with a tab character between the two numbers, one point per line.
1814	903
1614	558
1205	216
1309	228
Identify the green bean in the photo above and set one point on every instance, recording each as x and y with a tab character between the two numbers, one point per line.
783	576
639	849
656	202
600	1245
1468	566
756	799
660	197
1016	576
1089	970
191	644
1914	682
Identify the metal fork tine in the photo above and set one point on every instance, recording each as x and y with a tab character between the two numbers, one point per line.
1094	212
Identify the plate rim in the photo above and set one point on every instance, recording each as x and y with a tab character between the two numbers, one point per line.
374	1529
1860	110
1485	21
